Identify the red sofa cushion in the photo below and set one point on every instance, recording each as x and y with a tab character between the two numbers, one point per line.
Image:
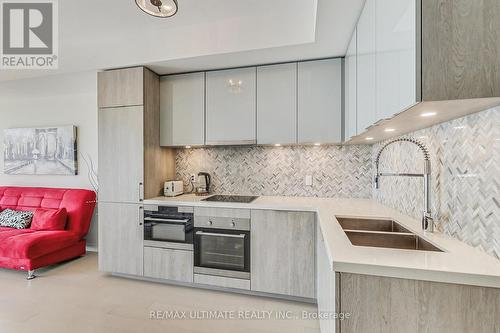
49	219
79	204
27	243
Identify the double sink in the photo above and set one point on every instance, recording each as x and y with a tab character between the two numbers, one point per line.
383	233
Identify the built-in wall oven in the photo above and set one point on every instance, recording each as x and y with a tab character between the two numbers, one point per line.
222	246
168	224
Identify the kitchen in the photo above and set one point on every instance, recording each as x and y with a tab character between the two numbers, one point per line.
343	182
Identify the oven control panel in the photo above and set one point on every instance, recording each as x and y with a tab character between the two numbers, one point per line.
218	222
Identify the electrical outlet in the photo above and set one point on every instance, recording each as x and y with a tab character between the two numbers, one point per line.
193	178
308	180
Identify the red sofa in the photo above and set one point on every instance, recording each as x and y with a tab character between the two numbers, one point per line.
28	249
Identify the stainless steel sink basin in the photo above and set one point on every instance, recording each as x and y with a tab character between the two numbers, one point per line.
349	223
405	241
383	233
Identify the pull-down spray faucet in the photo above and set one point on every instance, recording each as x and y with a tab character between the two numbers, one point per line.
427	219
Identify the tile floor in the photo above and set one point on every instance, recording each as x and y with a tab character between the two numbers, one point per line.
75	297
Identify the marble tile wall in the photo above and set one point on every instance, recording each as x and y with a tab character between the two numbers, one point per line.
336	171
465	158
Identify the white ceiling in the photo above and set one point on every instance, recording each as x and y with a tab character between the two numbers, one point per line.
97	34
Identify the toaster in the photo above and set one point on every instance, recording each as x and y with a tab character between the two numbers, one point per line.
173	188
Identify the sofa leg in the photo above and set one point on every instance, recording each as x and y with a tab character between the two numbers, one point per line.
31	275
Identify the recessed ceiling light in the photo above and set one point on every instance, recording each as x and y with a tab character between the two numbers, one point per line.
158	8
389	130
428	114
369	138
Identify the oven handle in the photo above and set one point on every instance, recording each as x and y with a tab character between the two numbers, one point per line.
201	233
152	219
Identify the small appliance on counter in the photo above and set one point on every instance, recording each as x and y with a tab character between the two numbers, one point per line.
173	188
203	184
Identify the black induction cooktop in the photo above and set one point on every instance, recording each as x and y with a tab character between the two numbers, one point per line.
231	198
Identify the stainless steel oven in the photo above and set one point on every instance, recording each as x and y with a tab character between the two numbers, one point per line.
168	224
222	247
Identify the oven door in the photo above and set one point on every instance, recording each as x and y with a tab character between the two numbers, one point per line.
168	230
222	252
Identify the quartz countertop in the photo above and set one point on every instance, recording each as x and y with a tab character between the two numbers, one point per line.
459	263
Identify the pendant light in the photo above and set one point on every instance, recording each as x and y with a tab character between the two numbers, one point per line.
158	8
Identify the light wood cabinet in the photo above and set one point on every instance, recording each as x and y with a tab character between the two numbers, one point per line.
231	106
366	67
121	153
182	110
326	285
320	101
121	87
383	304
277	104
283	253
121	234
350	119
169	264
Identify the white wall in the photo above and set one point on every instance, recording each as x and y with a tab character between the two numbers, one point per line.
53	100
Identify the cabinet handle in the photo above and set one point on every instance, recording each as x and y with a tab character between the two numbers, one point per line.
141	191
140	216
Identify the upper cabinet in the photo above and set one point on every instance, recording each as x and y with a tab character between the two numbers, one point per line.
277	104
410	62
366	68
231	107
320	101
395	56
350	91
182	110
122	87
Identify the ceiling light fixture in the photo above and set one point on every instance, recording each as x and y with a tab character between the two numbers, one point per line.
158	8
428	114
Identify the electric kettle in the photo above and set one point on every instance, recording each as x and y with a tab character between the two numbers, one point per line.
203	183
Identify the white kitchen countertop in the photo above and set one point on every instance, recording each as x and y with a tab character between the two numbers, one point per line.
459	263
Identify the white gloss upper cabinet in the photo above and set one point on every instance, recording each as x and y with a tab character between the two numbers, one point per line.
366	67
231	106
350	89
277	104
182	110
320	101
395	56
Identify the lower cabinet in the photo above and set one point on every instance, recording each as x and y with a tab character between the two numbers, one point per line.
121	238
169	264
326	286
283	253
221	281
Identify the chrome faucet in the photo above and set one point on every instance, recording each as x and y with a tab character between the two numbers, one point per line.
427	219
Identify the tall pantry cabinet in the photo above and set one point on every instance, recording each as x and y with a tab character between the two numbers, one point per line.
132	165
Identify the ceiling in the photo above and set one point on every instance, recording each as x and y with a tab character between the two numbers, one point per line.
96	34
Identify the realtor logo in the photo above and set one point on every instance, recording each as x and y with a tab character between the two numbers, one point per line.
29	34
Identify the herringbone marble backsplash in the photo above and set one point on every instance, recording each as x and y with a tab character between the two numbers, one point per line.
336	171
465	157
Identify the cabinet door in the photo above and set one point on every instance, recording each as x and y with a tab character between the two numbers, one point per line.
350	89
121	87
121	235
283	253
366	68
320	101
326	285
182	110
231	107
277	104
396	56
169	264
121	154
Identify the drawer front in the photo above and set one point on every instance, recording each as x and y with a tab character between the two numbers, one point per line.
221	281
168	264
